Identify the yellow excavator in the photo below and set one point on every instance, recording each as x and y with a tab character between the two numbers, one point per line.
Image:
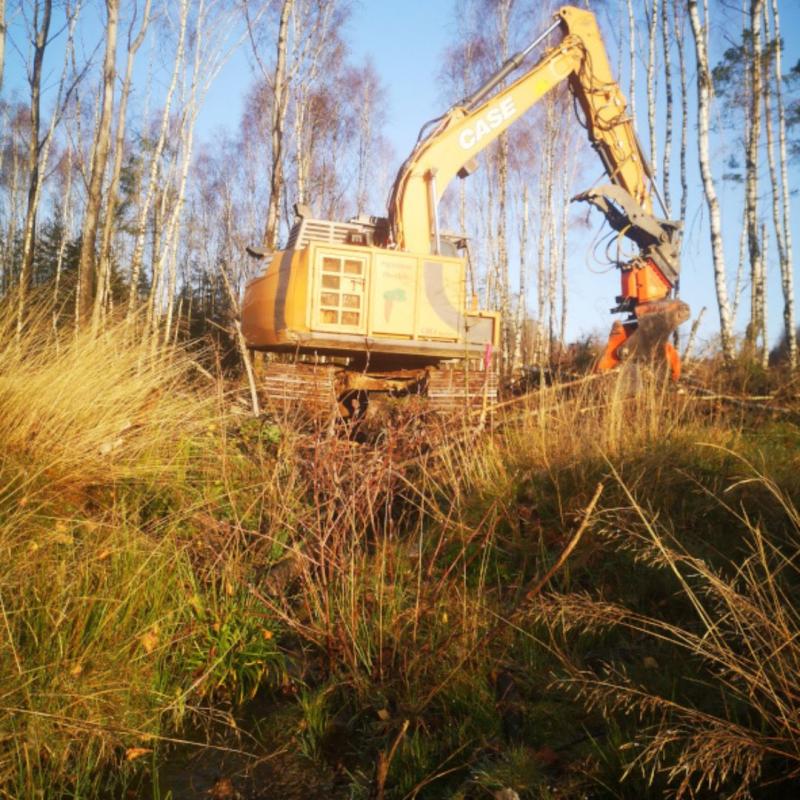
379	304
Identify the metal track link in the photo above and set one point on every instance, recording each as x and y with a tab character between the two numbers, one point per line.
309	387
455	390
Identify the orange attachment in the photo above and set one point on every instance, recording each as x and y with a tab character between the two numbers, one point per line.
612	355
618	336
674	360
643	281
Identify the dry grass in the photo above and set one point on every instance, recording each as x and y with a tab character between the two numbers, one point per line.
740	642
92	429
158	555
91	408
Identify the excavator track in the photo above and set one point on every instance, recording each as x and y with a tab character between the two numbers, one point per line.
319	391
310	388
456	390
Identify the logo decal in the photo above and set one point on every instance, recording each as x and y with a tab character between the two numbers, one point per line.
485	124
390	298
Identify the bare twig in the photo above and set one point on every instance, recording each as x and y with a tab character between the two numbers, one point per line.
385	761
571	545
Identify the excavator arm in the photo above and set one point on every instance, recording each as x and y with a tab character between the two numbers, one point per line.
449	149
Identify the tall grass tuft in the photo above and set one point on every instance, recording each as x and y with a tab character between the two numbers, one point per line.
94	581
80	407
732	712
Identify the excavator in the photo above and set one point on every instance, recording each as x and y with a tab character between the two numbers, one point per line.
379	305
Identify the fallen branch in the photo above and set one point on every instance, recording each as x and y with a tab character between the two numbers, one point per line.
760	402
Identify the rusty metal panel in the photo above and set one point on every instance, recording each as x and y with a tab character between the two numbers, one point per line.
286	386
456	389
394	294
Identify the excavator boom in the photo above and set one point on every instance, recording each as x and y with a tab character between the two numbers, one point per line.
449	149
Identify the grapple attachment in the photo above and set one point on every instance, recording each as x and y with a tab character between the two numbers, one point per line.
647	337
646	282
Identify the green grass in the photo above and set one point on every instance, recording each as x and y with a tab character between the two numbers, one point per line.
168	567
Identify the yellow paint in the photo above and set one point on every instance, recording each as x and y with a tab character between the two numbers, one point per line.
580	57
355	290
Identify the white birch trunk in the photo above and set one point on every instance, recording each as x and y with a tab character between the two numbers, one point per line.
715	222
566	176
66	213
679	39
632	49
651	84
502	202
280	96
738	285
13	212
100	149
104	265
39	149
666	45
146	204
35	167
787	262
757	287
519	324
2	40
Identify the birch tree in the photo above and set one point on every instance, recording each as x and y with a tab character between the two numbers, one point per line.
545	241
213	44
785	236
99	159
523	282
66	213
757	324
632	49
666	43
504	20
280	98
146	202
371	116
208	31
316	53
679	29
699	33
39	145
15	157
104	266
40	33
2	40
652	28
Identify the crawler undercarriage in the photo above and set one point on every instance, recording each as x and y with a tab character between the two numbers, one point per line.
326	390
